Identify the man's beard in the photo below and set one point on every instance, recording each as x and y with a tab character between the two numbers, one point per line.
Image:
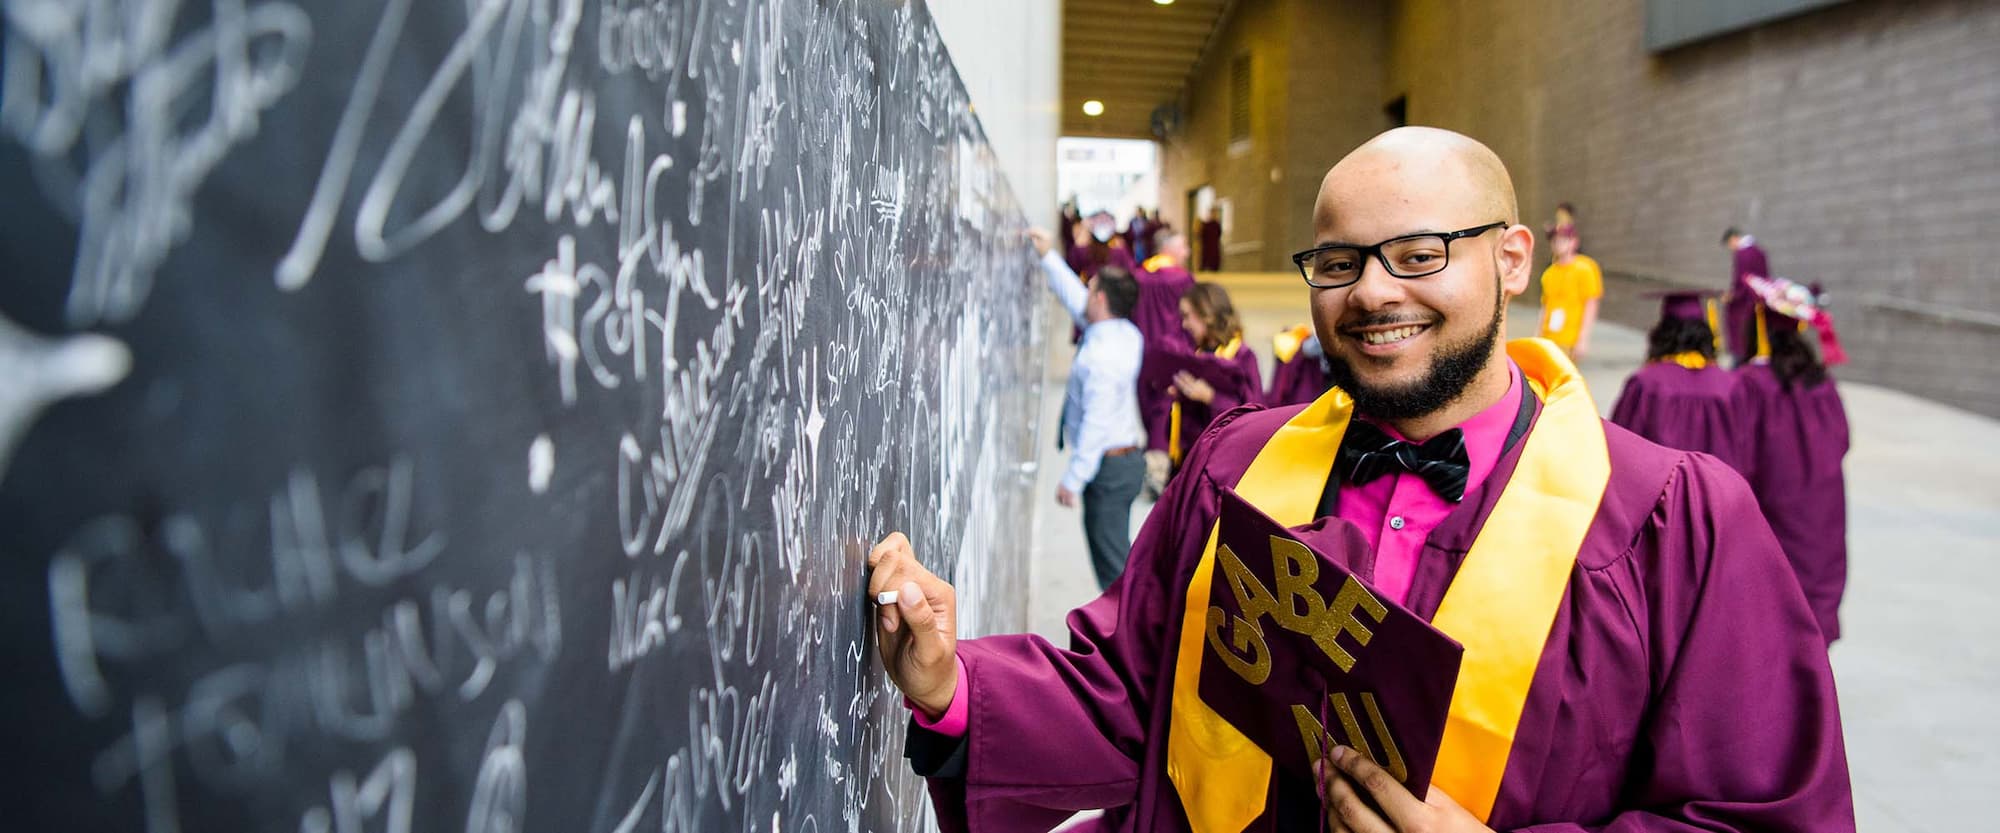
1452	370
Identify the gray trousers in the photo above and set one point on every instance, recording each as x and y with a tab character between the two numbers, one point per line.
1107	514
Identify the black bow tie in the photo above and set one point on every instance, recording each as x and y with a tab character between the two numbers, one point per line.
1366	453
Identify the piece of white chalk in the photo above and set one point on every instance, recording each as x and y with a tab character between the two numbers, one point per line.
887	597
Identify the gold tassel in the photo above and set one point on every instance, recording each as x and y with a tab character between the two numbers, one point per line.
1763	337
1714	323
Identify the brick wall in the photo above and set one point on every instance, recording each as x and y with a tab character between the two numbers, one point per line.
1201	153
1860	143
1311	107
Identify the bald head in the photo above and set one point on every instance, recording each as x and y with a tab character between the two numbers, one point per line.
1446	179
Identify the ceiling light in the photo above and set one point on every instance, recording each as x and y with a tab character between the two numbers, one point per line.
1093	107
1163	2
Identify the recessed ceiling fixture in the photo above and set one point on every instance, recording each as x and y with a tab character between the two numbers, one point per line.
1093	107
1163	2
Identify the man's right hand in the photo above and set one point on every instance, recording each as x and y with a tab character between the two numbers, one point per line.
1042	239
918	635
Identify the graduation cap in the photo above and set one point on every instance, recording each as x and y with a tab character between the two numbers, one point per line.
1355	668
1786	297
1686	304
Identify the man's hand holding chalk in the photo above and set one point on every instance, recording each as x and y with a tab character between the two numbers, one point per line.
916	625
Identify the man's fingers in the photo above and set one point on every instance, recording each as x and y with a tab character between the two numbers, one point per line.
893	563
896	541
939	594
1396	801
915	607
1348	811
889	617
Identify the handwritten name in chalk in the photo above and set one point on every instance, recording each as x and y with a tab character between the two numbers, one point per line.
153	137
1294	606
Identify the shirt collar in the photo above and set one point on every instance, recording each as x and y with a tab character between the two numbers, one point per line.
1486	432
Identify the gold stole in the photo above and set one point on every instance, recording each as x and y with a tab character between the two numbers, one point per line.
1692	359
1763	336
1286	343
1174	450
1714	324
1500	606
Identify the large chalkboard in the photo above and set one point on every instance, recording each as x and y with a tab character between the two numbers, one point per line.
473	414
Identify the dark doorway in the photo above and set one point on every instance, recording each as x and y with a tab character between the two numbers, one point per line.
1398	111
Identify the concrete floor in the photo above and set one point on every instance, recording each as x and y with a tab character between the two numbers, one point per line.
1919	663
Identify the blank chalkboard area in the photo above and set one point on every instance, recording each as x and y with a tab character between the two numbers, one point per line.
474	415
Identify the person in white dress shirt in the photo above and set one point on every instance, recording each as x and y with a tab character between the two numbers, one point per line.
1100	424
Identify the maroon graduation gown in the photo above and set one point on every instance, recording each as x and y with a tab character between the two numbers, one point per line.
1739	316
1681	408
1080	261
1211	246
1297	382
1158	317
1793	442
1683	684
1195	416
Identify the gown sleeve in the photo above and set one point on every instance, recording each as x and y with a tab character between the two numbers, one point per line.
1742	732
1056	730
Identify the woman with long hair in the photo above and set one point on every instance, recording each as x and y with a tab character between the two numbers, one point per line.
1220	375
1680	397
1794	437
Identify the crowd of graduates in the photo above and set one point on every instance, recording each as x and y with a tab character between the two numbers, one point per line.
1774	414
1748	386
1623	641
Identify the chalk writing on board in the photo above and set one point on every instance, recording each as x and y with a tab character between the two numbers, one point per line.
474	416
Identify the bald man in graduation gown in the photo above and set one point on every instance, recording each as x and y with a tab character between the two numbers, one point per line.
1680	397
1637	654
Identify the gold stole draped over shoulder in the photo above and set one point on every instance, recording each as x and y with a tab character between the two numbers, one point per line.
1500	605
1692	359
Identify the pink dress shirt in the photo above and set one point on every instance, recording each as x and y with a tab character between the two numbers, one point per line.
1396	512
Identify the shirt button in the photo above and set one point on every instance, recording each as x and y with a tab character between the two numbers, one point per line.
1396	522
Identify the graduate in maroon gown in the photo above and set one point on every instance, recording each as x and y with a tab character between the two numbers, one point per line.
1162	281
1195	399
1680	397
1211	241
1746	260
1298	372
1637	655
1794	436
1098	245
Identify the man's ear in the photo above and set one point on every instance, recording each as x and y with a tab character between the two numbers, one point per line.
1515	257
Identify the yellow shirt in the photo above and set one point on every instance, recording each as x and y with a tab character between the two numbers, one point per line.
1566	287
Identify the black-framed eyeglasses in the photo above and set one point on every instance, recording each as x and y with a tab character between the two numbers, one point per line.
1409	256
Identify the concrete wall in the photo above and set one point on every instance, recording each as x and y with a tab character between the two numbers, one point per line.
1860	143
1009	53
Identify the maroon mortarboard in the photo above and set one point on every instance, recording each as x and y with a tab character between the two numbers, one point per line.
1300	654
1683	304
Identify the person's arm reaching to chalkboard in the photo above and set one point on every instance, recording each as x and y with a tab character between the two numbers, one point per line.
1063	281
1016	733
